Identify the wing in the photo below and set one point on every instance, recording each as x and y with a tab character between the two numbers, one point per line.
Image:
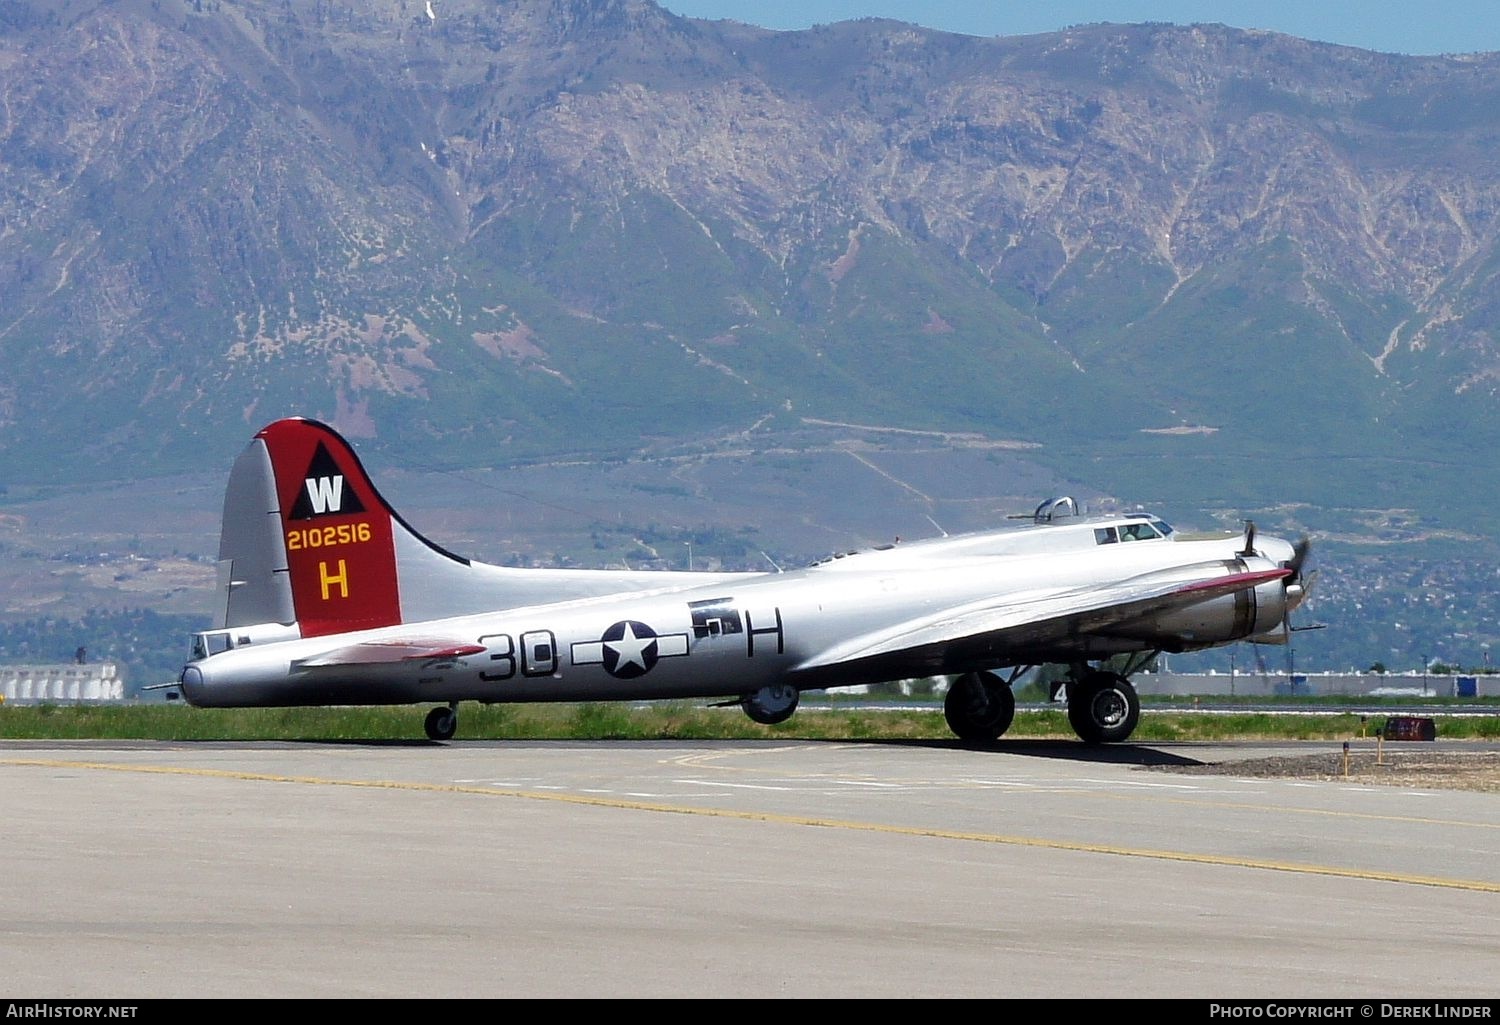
1032	626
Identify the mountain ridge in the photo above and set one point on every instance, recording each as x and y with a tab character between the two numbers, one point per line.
507	137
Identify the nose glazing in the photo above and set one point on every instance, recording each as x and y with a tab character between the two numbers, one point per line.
191	681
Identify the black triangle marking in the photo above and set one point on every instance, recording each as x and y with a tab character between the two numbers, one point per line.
325	491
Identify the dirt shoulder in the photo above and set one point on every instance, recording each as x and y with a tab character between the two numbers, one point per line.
1399	766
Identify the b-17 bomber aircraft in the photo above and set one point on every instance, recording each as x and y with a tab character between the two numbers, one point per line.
326	596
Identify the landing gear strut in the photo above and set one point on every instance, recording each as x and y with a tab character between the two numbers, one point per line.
442	723
979	706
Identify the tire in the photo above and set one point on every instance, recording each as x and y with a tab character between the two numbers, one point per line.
442	723
1103	708
979	708
771	705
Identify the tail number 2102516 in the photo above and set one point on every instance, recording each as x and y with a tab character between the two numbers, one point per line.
299	538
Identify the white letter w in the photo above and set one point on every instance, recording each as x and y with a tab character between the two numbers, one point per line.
326	494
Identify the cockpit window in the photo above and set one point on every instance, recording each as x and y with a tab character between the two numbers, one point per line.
1142	530
1138	532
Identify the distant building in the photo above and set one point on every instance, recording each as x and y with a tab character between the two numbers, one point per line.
62	681
1316	684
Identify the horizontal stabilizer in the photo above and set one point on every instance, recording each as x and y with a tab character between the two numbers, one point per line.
371	653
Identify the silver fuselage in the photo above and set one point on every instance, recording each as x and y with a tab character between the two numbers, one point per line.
837	623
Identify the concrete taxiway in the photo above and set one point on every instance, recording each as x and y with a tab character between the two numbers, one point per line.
138	870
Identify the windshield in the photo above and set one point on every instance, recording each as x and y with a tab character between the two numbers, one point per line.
209	643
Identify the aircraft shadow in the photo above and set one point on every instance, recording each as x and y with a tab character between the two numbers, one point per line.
1069	750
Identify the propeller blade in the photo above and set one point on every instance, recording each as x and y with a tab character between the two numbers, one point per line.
1300	552
1300	582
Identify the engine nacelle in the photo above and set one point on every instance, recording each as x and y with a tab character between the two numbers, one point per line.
1253	614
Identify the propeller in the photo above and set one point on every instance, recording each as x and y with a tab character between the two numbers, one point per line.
1300	582
1300	552
1295	586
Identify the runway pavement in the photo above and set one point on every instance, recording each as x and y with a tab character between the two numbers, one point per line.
140	870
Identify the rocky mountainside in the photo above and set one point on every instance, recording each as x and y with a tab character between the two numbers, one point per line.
484	218
1183	265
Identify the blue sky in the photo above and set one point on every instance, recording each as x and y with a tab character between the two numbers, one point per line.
1390	26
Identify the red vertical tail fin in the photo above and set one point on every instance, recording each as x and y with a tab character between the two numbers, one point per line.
306	535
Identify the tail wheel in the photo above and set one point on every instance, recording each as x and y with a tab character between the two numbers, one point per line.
979	707
442	723
1103	708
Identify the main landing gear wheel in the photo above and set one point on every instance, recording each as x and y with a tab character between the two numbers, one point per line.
771	705
979	707
1103	708
442	723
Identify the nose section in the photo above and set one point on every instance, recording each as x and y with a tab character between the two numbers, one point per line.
191	682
